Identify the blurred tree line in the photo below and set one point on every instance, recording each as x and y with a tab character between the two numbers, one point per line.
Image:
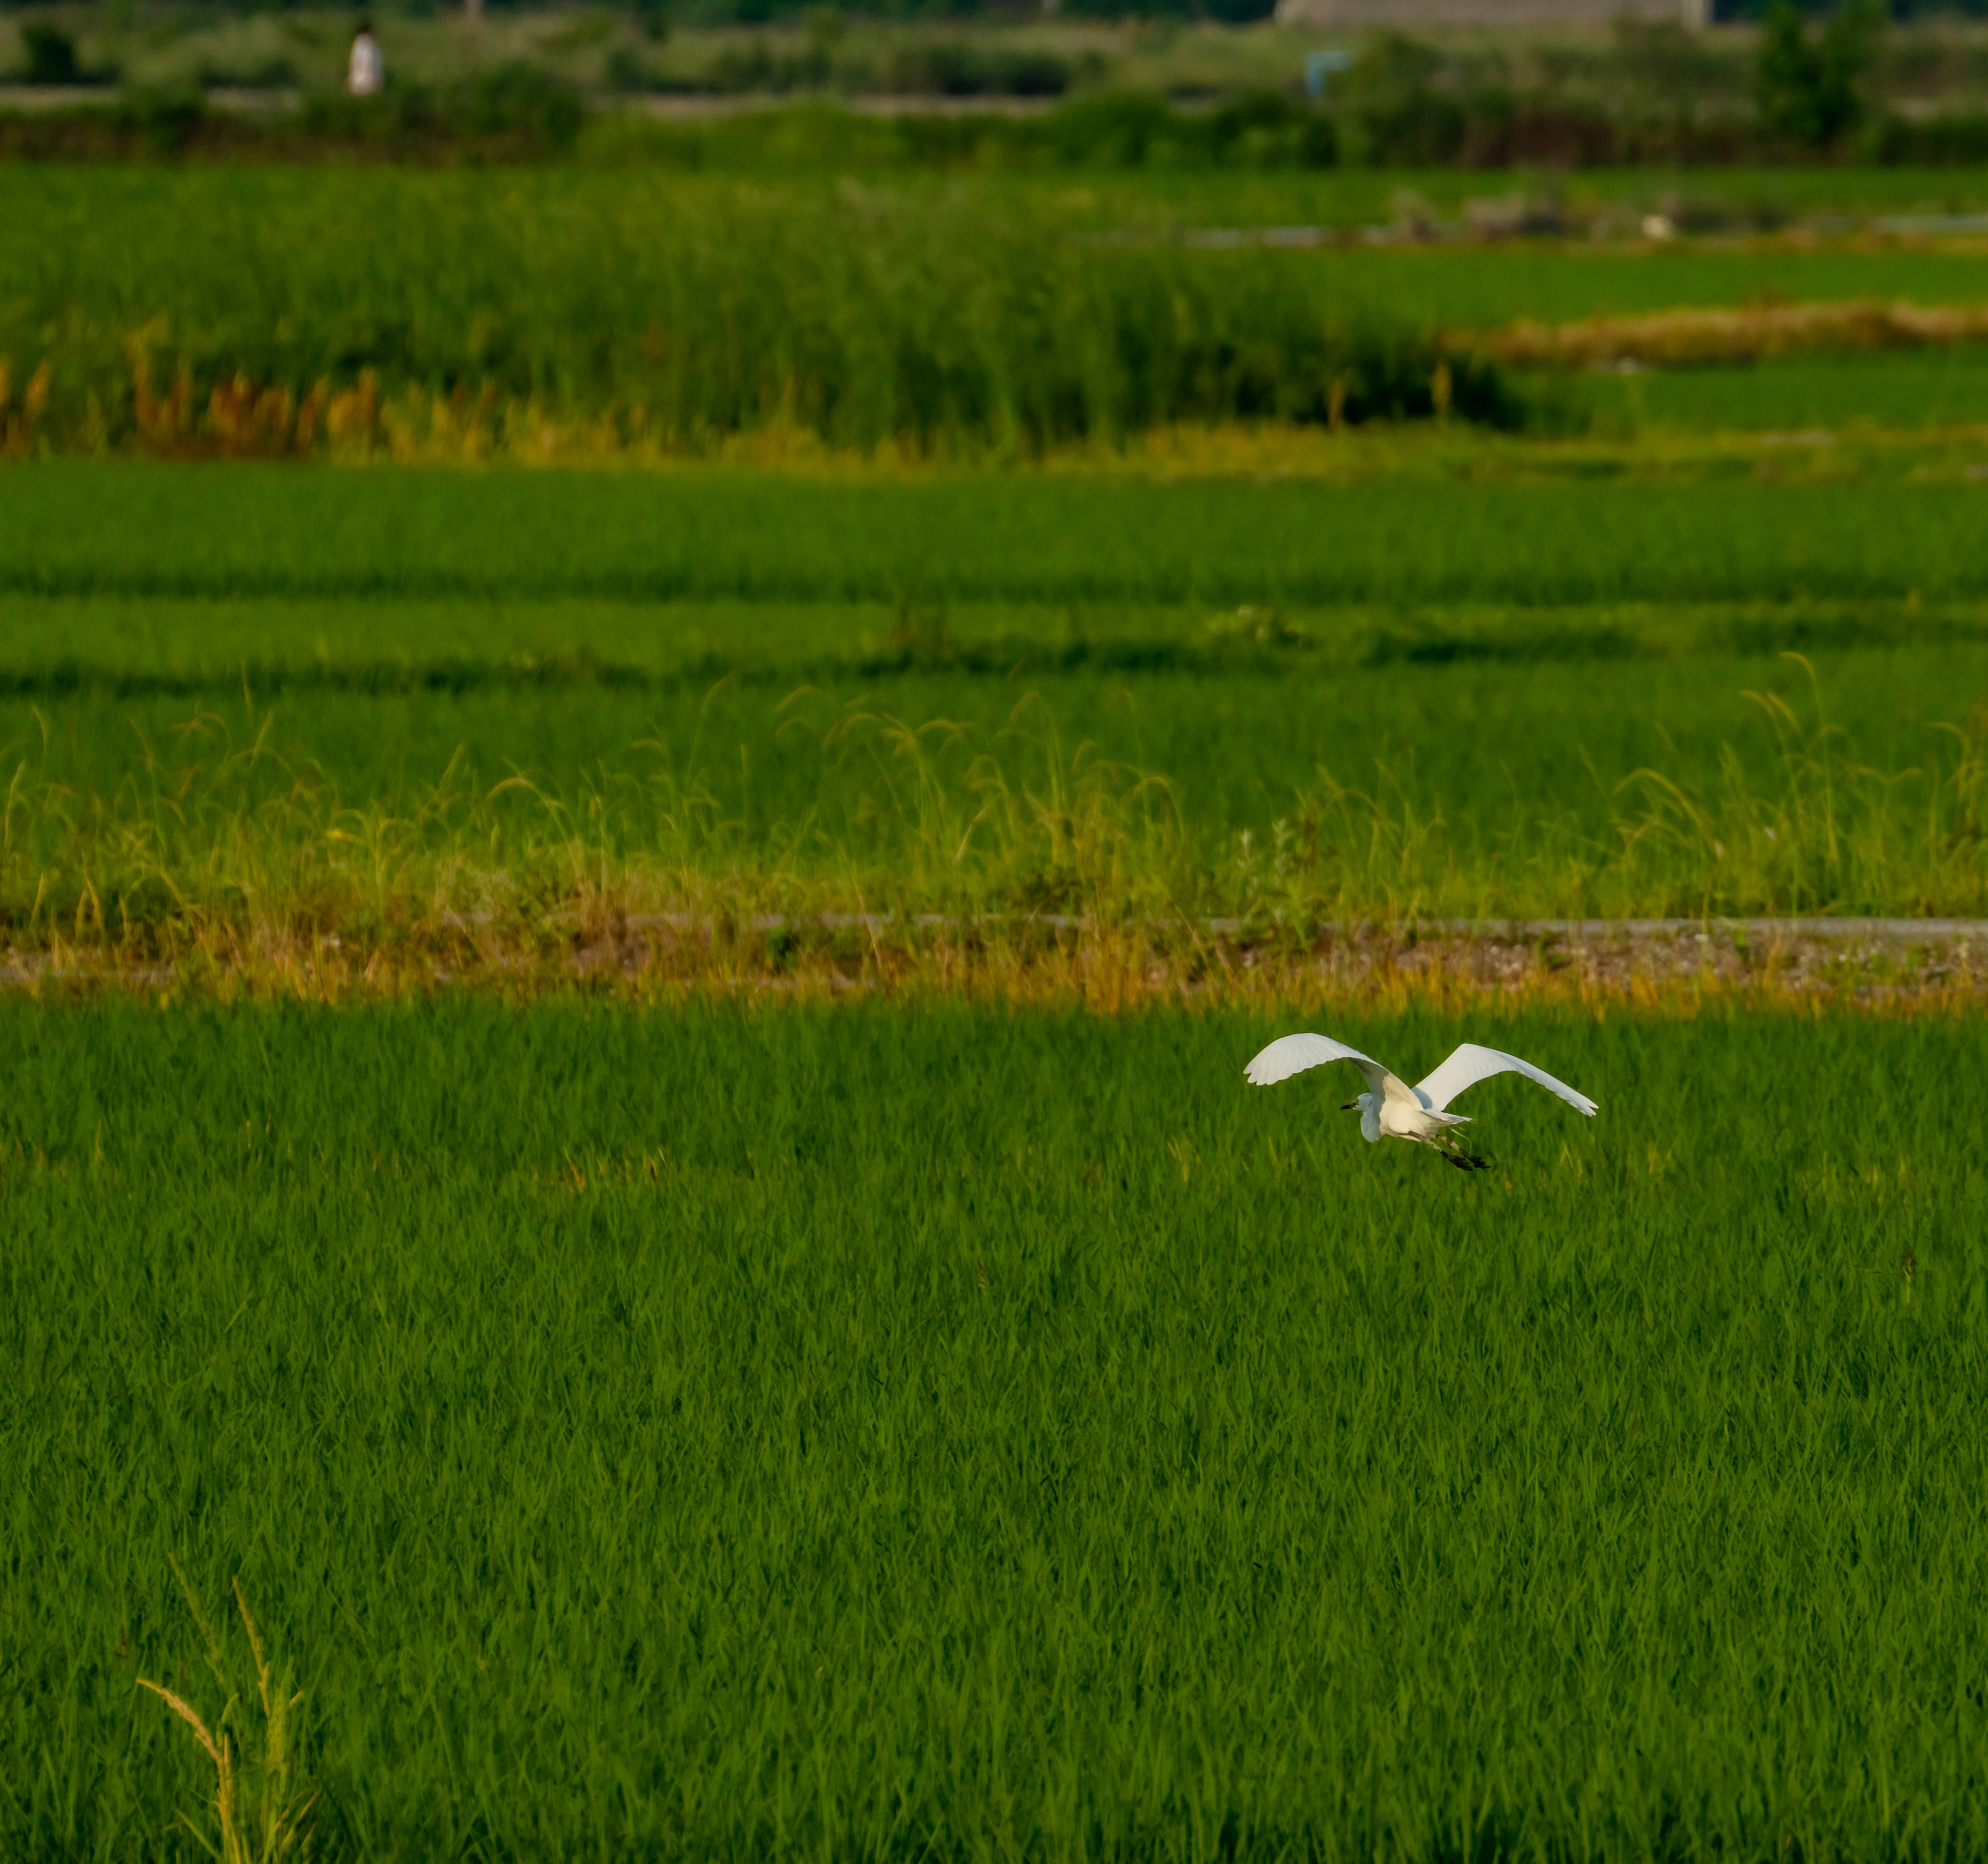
1807	84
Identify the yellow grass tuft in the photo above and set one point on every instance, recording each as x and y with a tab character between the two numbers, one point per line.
258	1804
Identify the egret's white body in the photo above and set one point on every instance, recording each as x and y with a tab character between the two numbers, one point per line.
1391	1109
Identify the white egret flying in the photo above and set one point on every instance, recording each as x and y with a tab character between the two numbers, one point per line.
1392	1109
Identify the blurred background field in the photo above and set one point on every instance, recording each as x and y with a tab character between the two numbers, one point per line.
1313	85
567	313
934	543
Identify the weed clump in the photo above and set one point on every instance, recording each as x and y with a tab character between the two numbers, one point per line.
259	1805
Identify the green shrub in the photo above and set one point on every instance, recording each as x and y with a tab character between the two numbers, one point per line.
959	69
628	72
1810	87
514	108
51	54
164	123
1117	129
516	99
273	73
1952	141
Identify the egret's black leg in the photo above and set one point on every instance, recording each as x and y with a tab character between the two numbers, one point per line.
1453	1151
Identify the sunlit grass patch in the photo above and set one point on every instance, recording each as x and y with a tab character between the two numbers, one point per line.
222	850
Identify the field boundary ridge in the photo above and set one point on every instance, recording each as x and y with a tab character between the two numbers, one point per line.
1051	958
1735	333
1501	929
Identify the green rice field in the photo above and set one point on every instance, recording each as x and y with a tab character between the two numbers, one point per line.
630	1223
244	700
1413	538
872	1435
1935	389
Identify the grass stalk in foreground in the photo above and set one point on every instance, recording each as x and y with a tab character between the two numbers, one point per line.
259	1806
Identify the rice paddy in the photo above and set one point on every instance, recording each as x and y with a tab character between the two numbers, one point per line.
959	1434
246	710
632	1225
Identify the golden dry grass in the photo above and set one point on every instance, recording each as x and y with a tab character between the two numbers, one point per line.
1745	334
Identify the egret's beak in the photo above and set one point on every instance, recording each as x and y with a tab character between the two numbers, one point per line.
1350	1107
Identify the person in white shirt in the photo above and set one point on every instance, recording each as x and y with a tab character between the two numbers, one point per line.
364	73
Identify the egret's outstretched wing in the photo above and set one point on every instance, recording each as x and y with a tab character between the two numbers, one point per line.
1290	1055
1469	1064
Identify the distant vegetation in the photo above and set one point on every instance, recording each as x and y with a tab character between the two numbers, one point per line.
315	312
983	321
1849	87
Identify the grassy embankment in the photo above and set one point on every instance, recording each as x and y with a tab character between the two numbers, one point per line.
880	1435
448	718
